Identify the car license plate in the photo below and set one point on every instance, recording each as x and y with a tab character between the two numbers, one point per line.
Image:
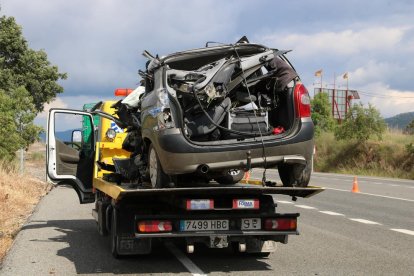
204	225
251	224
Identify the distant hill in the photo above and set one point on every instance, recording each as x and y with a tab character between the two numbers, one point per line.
61	135
400	121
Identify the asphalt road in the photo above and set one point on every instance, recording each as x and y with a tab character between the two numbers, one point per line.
342	233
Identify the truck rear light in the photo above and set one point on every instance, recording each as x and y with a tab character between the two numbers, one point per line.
280	224
199	204
302	101
154	226
246	204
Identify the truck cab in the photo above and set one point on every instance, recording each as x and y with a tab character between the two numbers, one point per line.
76	141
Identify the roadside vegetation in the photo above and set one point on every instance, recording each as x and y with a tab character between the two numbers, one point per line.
27	81
19	195
391	157
361	144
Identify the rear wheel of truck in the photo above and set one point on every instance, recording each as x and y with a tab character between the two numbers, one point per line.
231	177
295	175
157	175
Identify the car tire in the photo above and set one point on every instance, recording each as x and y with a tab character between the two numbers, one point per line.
295	175
157	176
231	177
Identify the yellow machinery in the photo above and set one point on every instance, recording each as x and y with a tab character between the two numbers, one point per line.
109	138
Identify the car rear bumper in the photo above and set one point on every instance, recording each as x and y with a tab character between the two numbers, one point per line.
179	156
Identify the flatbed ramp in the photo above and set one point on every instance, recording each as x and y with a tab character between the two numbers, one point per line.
121	191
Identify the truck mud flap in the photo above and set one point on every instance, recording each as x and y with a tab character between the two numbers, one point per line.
133	246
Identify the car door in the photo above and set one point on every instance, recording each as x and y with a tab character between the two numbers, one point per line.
70	151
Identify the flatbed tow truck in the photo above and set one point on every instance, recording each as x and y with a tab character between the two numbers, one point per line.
243	215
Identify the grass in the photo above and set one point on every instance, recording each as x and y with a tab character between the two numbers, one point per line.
19	194
388	158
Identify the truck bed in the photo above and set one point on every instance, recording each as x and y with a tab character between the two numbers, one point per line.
118	192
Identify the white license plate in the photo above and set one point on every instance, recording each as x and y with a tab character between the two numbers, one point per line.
204	225
251	224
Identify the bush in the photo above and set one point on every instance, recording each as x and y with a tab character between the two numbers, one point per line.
389	158
361	124
321	114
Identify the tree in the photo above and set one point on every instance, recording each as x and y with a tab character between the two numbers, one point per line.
321	113
27	82
361	123
409	129
22	66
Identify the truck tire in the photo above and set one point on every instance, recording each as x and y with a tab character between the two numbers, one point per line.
231	177
114	238
295	175
157	176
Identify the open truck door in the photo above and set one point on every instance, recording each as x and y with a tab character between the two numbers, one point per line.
70	151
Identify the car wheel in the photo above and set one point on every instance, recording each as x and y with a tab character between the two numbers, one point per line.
295	175
231	177
157	175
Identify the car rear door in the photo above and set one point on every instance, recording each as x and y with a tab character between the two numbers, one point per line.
70	151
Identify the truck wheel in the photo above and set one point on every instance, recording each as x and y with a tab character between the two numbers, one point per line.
114	239
295	175
157	175
231	177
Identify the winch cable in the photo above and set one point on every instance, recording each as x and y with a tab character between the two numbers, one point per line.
255	116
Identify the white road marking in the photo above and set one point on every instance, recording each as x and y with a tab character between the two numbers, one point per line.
394	185
391	197
409	232
306	207
365	221
191	267
331	213
284	202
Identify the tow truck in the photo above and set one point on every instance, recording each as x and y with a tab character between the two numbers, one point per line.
243	215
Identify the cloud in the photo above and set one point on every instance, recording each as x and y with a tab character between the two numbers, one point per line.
344	43
99	43
71	102
57	103
390	101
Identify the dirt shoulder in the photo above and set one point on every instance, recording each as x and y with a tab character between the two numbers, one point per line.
19	194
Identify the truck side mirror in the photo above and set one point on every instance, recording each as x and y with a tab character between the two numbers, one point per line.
77	136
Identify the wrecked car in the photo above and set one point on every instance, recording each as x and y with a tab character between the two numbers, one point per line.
212	113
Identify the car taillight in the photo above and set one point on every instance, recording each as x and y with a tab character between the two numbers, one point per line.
302	101
154	226
280	224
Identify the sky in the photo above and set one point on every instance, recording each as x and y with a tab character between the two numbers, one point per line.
99	43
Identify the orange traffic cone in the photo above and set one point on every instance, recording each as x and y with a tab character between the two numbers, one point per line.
355	188
246	176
